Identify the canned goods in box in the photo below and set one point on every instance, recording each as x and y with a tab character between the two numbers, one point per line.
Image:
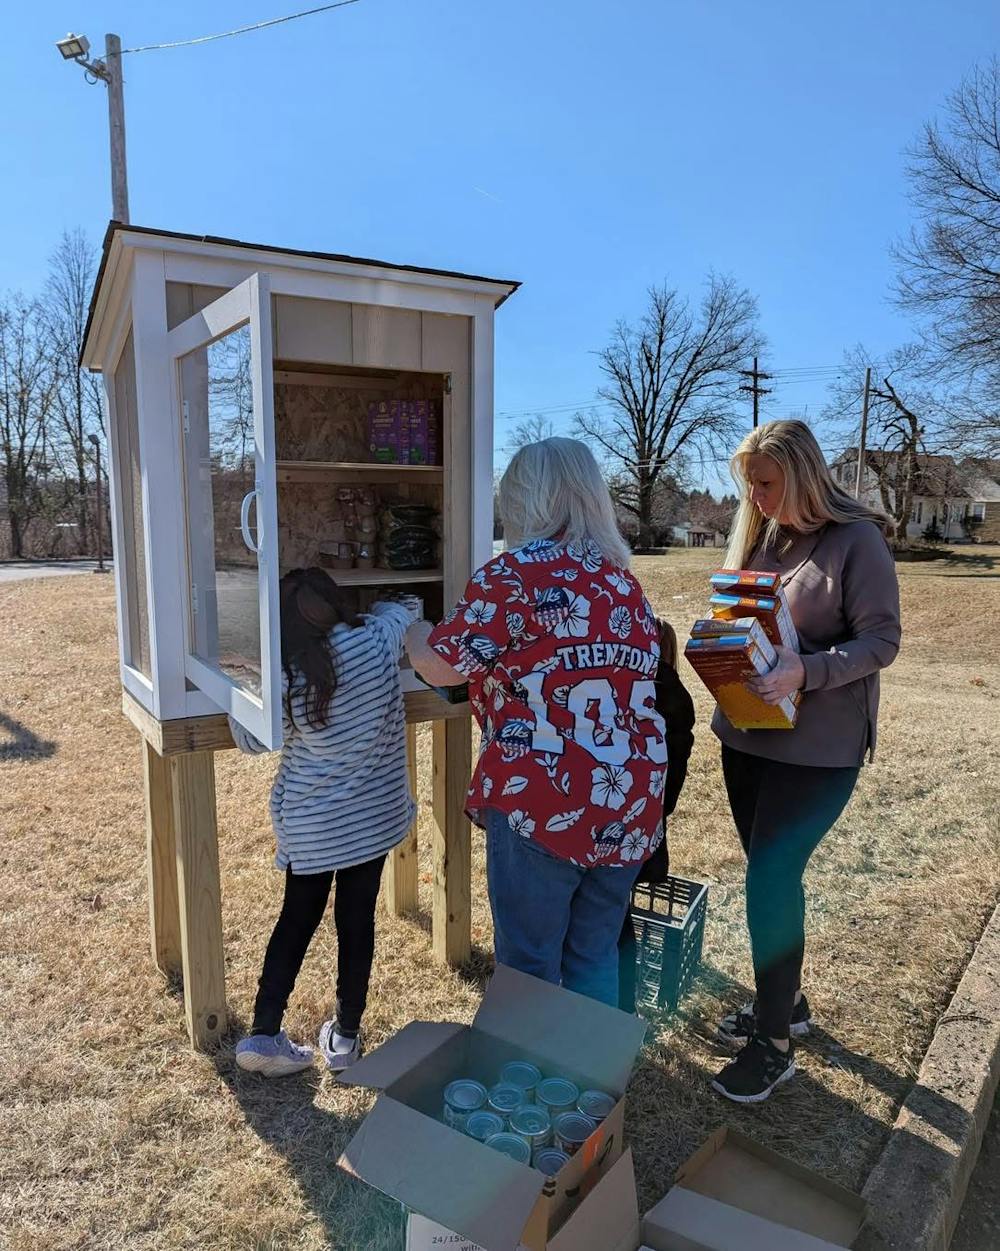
557	1094
521	1073
572	1130
595	1104
483	1125
511	1145
460	1098
533	1124
549	1160
505	1097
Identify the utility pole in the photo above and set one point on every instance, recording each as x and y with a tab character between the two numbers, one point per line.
864	433
755	389
100	520
108	71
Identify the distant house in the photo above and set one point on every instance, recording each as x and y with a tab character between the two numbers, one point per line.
961	498
691	535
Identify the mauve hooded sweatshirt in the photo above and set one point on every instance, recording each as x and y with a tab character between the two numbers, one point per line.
844	600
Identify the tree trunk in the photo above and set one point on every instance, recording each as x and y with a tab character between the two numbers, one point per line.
16	537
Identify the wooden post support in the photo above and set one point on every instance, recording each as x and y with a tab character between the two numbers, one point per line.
400	880
452	912
192	778
161	862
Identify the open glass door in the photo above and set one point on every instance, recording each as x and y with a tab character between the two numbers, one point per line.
222	358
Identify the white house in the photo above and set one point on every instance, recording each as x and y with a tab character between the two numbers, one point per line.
692	535
946	493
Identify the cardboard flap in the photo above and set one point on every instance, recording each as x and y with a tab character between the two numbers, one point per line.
739	1172
688	1221
443	1175
397	1055
573	1032
608	1215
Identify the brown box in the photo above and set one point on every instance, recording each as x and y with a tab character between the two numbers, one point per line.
731	1193
405	1150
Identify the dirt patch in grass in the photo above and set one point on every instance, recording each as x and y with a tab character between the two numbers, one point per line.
115	1134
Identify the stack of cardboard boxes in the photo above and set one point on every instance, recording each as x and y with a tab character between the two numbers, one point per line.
750	617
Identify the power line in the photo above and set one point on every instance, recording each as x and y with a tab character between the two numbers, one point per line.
242	30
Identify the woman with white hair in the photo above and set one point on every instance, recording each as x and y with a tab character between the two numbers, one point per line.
787	788
560	649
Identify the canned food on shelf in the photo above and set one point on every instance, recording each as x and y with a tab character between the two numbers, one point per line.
595	1104
460	1098
483	1125
549	1160
572	1130
511	1145
557	1094
505	1097
533	1124
521	1073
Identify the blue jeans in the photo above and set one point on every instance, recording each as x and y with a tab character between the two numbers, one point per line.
553	919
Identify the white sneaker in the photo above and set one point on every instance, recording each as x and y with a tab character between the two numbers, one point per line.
338	1051
273	1055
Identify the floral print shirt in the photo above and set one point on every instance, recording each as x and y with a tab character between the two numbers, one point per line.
560	649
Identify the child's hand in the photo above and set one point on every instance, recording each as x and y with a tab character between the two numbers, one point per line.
787	676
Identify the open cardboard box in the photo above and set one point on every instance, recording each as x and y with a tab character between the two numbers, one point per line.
731	1193
404	1149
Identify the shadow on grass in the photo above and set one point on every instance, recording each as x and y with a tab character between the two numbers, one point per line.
283	1112
17	742
477	970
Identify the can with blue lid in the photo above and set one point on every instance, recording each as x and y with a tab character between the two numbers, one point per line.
572	1130
533	1124
556	1095
505	1098
521	1073
483	1124
511	1145
461	1097
595	1104
549	1160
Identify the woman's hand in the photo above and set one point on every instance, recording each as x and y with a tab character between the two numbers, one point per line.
425	660
787	676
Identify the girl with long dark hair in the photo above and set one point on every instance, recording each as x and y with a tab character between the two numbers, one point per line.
340	802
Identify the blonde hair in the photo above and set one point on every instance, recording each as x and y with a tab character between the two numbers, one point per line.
811	498
555	488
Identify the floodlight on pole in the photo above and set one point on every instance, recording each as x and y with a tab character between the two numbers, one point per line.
109	71
74	47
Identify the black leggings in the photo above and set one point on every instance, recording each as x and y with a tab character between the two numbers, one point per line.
354	917
782	811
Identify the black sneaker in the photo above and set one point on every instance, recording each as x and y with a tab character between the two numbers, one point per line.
736	1030
755	1072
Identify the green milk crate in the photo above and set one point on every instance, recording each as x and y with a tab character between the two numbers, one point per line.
669	923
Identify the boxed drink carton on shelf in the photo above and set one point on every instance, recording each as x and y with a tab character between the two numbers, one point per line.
404	432
747	593
726	655
404	1148
733	1192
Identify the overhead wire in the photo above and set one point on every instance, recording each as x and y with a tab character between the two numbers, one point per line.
241	30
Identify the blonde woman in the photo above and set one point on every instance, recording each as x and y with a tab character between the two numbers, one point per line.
787	788
560	650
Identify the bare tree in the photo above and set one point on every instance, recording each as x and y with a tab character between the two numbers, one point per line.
672	392
949	268
531	430
77	395
902	411
27	395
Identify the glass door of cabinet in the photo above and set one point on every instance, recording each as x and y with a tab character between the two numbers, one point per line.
222	358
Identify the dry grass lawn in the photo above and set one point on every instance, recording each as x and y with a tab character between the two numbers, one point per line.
114	1134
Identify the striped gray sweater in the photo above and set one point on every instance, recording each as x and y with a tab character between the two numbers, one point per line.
342	793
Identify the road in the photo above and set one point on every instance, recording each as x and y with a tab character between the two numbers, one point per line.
18	570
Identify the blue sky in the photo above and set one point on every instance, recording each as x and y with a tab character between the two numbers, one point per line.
588	149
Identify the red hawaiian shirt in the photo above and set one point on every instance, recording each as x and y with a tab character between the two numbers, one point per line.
560	648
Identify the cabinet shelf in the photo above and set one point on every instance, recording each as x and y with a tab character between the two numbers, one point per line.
384	577
355	471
